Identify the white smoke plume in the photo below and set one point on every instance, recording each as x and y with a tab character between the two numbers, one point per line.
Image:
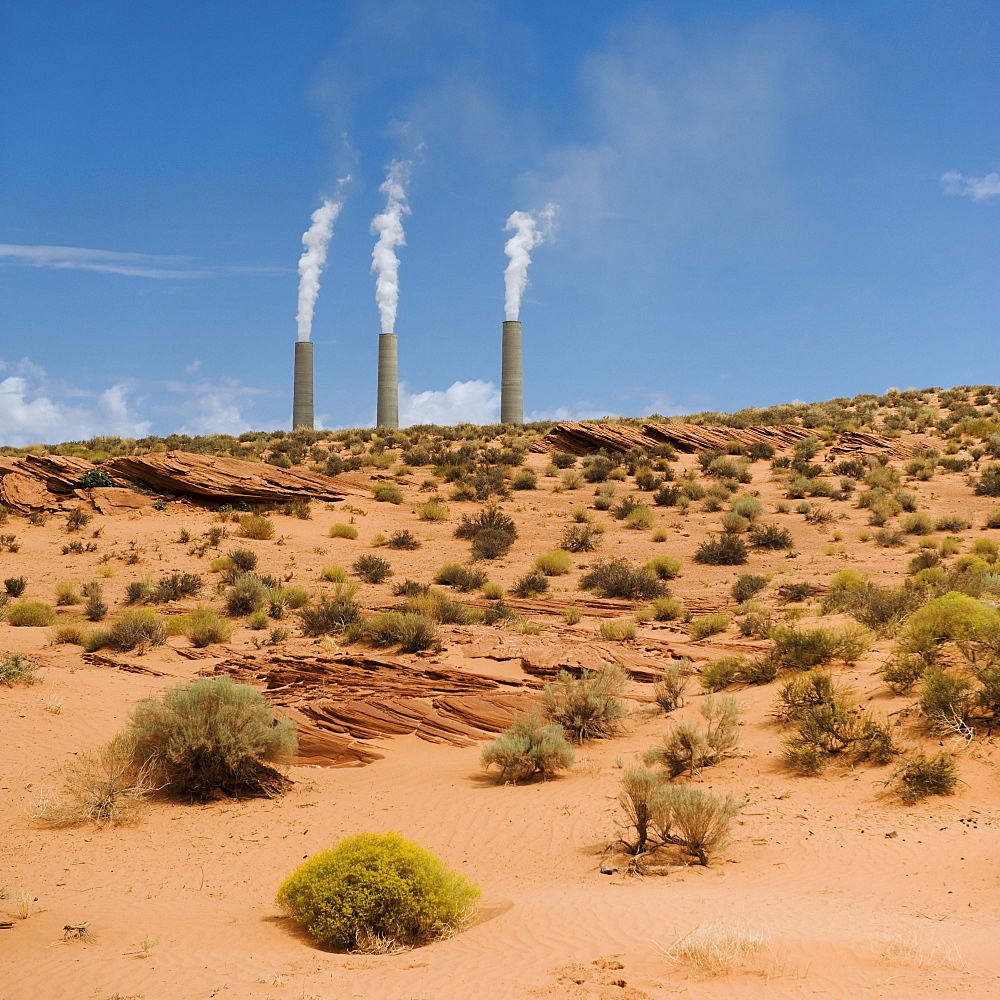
315	239
389	227
528	233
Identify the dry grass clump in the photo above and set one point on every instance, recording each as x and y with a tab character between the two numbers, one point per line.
203	626
411	632
665	567
581	537
67	595
907	949
343	531
618	630
719	947
31	614
681	817
106	788
432	510
255	526
555	562
702	628
333	573
528	747
137	628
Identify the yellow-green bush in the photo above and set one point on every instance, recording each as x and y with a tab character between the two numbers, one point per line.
555	562
31	614
343	531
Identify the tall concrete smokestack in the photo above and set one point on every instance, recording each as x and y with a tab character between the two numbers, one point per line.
511	382
302	390
388	382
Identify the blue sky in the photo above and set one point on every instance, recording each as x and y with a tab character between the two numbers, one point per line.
757	203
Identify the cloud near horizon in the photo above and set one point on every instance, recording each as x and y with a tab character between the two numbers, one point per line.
136	265
976	188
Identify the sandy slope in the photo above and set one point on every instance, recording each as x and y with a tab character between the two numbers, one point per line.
841	876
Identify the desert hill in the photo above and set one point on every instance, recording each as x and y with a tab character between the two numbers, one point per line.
739	551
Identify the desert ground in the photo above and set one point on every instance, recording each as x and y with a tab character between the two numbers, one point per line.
856	893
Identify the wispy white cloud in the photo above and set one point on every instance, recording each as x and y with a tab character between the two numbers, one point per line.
976	188
213	407
474	402
34	410
136	265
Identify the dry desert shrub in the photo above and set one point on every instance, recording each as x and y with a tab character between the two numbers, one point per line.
528	747
462	578
432	510
718	947
588	706
212	737
331	615
16	668
618	630
555	562
403	539
343	531
531	584
722	550
702	628
688	747
372	569
106	788
333	573
581	537
15	586
411	632
618	577
919	775
669	688
137	628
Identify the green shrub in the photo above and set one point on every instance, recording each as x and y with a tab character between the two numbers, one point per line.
32	614
531	584
571	616
919	775
241	560
499	612
953	617
258	620
94	478
563	460
555	562
665	567
372	569
618	630
15	586
211	736
639	518
255	526
588	706
432	510
746	585
77	519
723	550
437	605
702	628
617	577
462	578
16	668
387	493
951	522
333	573
687	747
377	892
528	747
411	632
343	531
662	609
491	532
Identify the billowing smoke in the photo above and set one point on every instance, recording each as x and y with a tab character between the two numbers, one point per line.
315	239
528	233
389	227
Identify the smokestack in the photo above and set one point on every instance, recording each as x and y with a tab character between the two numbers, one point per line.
302	391
511	382
388	382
